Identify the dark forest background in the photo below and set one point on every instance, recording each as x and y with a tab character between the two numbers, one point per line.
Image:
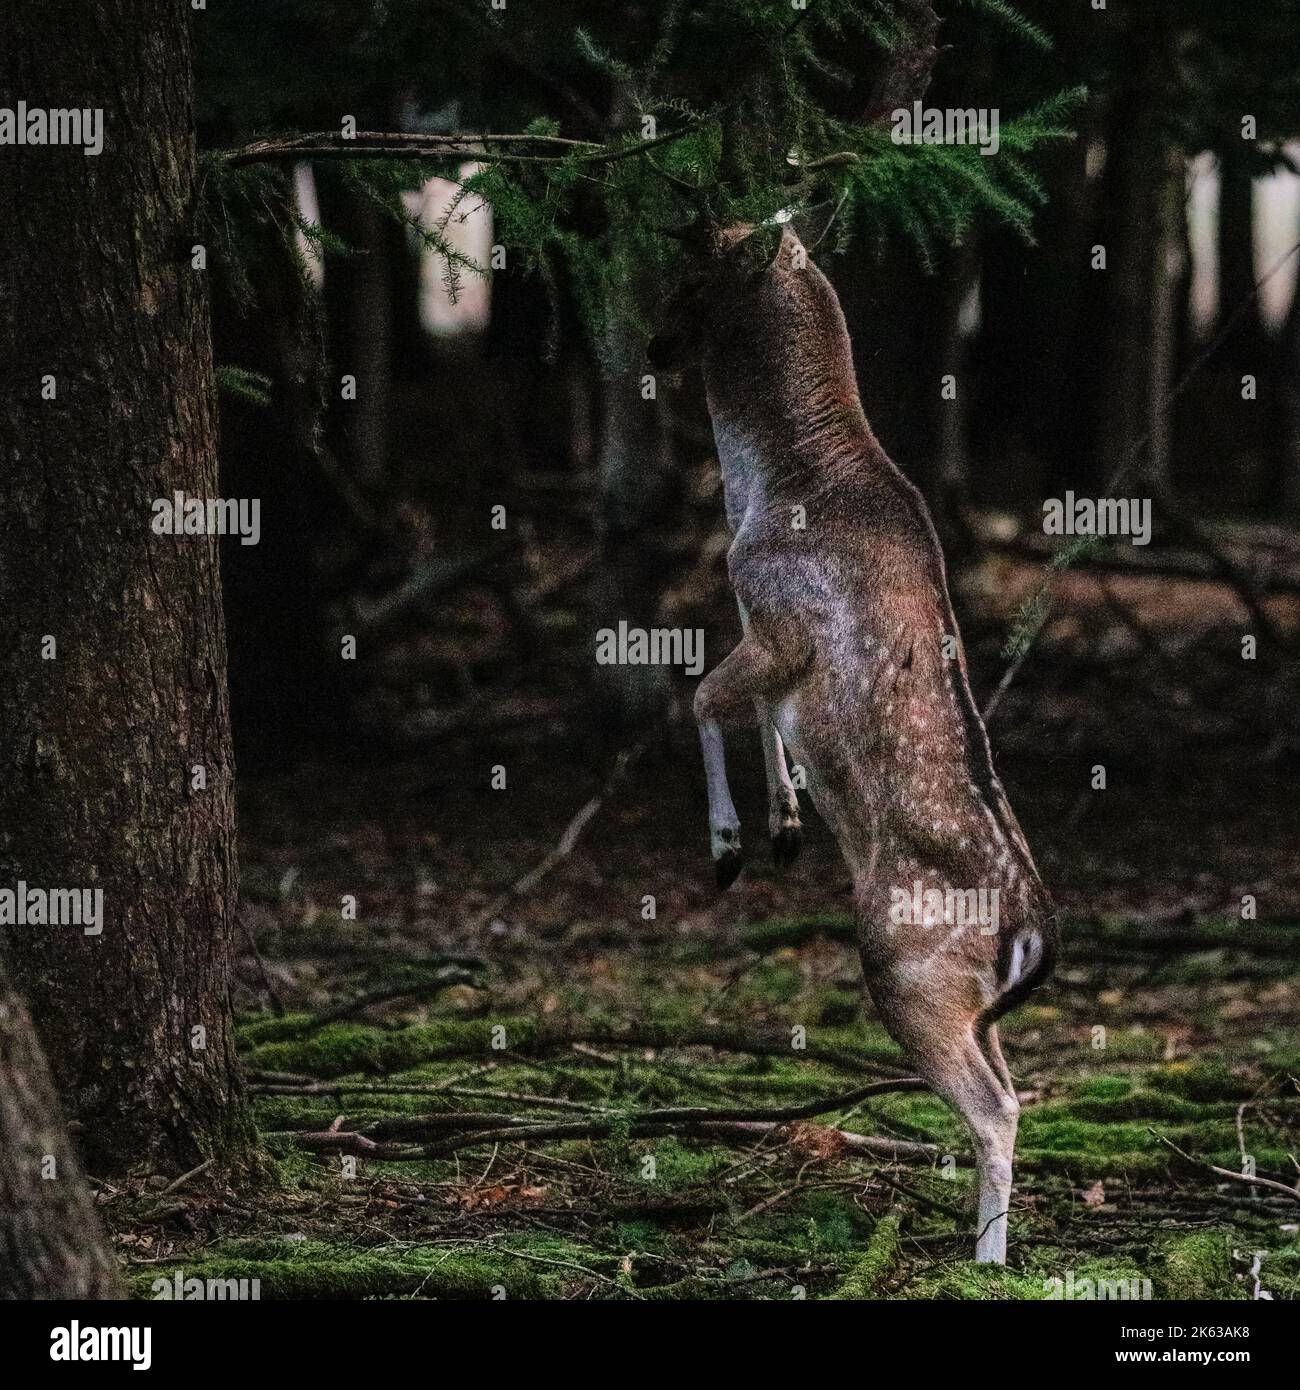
420	985
379	507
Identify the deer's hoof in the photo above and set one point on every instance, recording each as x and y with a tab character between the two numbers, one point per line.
727	867
786	844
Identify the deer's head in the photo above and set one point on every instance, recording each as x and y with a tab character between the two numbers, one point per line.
721	274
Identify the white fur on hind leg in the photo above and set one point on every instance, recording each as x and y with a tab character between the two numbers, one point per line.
995	1177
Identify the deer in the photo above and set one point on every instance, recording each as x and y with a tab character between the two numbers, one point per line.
851	659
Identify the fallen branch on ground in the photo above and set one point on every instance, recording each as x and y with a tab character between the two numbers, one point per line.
419	1126
471	1040
1271	1183
733	1124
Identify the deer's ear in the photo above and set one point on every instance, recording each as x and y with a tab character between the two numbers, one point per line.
730	241
749	250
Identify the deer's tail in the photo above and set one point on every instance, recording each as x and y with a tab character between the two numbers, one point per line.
1026	957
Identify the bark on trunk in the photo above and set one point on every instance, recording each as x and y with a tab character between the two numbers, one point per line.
112	639
1132	210
51	1242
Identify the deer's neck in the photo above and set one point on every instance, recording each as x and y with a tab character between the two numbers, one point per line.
785	408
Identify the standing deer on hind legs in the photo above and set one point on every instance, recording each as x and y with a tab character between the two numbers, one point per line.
850	653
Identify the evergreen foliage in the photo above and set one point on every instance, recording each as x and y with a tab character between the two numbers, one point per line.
725	110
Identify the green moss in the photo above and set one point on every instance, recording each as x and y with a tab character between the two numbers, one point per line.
774	984
834	1225
345	1048
1209	933
1199	1266
1105	1279
1138	1104
319	1270
1103	1087
1279	1273
875	1264
1056	1127
968	1280
1203	1081
676	1164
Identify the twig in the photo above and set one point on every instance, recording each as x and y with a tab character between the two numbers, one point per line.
728	1124
177	1183
720	1122
1146	638
331	144
1241	1133
565	1264
374	617
550	149
568	841
1271	1183
443	978
607	1120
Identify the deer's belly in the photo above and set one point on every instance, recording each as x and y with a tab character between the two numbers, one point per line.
838	771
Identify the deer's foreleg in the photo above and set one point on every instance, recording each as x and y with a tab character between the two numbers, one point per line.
724	823
751	674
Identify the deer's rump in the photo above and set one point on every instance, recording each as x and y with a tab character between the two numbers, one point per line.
946	891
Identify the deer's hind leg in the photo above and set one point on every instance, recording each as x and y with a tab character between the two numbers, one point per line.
991	1046
966	1079
943	1044
784	827
783	824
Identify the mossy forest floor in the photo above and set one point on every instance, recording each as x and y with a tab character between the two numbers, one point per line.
1166	1043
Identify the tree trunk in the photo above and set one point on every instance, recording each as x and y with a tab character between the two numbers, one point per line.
1131	216
287	683
635	461
358	291
1287	428
1236	247
1169	180
112	639
51	1244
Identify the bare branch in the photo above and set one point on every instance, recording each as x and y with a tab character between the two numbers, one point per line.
370	144
729	1124
1271	1183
